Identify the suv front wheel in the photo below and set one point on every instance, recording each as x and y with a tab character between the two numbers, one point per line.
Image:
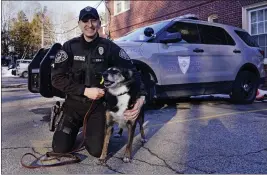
245	88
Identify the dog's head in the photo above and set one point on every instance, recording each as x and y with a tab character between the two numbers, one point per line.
114	77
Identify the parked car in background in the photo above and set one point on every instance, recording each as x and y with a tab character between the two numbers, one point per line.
21	68
184	56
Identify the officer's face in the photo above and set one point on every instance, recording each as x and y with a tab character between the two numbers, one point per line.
89	26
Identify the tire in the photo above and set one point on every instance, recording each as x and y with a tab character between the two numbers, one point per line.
245	88
24	74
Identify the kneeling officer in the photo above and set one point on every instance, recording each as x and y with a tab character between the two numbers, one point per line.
76	73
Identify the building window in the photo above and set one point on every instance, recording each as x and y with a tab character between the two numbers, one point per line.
127	5
121	6
258	26
213	18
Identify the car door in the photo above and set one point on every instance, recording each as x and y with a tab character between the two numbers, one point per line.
221	55
181	62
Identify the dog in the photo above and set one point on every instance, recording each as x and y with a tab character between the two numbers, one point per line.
121	94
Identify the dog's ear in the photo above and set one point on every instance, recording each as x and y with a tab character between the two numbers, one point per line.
127	73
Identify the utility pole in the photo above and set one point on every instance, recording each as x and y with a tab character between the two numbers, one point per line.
43	20
61	30
42	35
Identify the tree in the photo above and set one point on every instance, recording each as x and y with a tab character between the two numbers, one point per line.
48	29
70	23
36	26
27	36
20	34
8	9
31	8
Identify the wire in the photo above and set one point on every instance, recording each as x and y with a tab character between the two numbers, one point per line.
98	4
66	31
49	30
66	21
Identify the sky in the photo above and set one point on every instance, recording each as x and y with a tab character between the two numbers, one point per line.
59	12
74	6
56	6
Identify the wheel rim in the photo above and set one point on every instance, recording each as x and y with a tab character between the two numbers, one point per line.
25	74
247	88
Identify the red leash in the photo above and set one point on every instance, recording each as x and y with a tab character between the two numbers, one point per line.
57	156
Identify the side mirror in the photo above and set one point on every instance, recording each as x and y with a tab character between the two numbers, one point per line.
172	38
148	31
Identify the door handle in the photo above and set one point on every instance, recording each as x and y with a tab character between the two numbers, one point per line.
198	50
236	51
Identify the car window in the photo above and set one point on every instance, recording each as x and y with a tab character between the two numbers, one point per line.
230	40
214	35
247	38
188	32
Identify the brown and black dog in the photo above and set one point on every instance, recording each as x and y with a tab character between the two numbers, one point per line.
121	94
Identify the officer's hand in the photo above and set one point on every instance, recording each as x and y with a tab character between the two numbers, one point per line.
94	93
133	113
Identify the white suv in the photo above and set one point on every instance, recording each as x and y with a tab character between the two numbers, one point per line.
184	56
21	68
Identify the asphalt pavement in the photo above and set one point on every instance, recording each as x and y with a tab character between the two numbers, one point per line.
196	136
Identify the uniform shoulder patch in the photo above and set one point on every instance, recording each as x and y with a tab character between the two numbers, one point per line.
61	56
124	55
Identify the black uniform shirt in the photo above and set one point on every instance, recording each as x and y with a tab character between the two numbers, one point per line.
79	62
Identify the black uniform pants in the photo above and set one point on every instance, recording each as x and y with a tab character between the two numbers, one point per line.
73	114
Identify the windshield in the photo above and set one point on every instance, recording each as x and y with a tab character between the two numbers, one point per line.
138	34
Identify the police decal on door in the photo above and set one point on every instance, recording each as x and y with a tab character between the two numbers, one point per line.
184	62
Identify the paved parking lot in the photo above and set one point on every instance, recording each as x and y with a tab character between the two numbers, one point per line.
196	136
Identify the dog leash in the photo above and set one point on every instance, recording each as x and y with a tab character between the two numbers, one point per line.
57	156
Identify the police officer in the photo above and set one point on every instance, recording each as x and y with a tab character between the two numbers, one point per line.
76	72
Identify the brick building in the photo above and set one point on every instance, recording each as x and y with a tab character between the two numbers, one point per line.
250	15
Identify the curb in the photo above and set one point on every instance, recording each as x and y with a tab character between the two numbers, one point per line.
14	86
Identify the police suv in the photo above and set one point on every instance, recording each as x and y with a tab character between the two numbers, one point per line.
184	56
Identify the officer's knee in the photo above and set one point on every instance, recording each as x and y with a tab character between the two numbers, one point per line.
60	143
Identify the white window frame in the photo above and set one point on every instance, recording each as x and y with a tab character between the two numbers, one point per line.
246	16
123	7
249	20
249	25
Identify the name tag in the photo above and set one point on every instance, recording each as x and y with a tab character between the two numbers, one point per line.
79	58
97	60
